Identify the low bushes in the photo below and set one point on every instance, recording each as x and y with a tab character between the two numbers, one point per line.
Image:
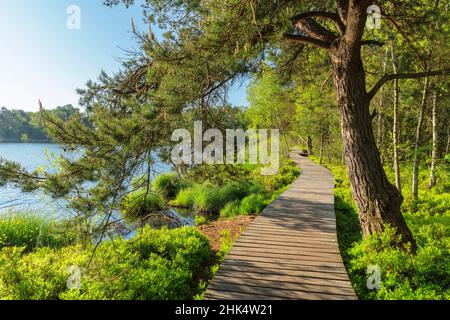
156	264
29	230
252	204
287	174
402	274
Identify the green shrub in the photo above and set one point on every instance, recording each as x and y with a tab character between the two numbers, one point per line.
29	230
184	198
155	265
231	192
200	220
403	275
168	185
253	204
231	209
140	203
207	198
287	174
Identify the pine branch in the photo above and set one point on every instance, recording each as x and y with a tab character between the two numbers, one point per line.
321	14
308	41
390	77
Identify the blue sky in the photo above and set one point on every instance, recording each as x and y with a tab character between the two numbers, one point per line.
40	58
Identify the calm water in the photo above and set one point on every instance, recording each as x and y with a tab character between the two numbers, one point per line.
32	156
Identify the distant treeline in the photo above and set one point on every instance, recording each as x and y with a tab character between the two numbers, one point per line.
22	126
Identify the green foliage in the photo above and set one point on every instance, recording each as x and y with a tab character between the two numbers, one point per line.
231	209
168	185
403	275
207	198
248	196
28	230
272	105
141	202
21	126
287	174
226	244
253	204
200	220
184	198
155	265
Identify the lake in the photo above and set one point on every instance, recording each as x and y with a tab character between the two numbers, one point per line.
31	156
34	155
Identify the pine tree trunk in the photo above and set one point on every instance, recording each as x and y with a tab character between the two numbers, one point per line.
378	201
415	179
395	135
447	147
321	148
310	146
380	122
434	151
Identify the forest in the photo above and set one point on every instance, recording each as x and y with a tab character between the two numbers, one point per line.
22	126
368	102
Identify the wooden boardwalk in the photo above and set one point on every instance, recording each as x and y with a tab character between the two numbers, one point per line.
290	251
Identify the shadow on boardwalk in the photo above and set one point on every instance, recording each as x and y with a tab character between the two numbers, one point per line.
290	251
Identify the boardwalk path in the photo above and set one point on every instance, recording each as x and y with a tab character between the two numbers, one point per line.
290	251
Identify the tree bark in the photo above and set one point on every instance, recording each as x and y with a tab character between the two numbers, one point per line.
447	147
310	146
395	135
378	201
380	121
434	152
415	179
321	148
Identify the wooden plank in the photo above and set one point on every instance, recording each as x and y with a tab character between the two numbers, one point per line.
316	252
287	256
305	233
284	248
241	269
324	287
299	243
288	267
299	227
289	237
284	294
306	279
295	262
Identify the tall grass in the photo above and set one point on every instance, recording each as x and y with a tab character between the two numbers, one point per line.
207	198
168	185
31	231
140	203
